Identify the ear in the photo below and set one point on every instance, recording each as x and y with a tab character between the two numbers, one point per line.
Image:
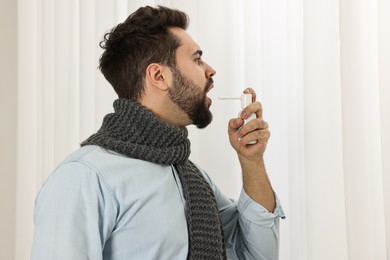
157	75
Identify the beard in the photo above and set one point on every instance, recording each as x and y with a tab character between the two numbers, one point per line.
191	98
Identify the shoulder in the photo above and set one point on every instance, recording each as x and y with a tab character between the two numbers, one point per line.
105	162
75	174
111	168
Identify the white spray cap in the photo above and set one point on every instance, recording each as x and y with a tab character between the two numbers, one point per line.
246	99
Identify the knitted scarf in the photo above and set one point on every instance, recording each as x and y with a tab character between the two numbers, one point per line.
136	132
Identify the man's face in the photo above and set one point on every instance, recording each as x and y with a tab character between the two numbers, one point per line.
192	79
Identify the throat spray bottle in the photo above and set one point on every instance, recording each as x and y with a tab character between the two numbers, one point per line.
246	99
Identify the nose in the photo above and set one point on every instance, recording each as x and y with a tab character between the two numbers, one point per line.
210	71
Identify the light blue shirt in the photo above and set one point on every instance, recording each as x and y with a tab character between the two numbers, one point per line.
102	205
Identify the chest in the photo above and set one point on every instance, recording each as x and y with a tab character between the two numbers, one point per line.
151	222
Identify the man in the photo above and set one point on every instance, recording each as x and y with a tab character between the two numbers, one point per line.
130	191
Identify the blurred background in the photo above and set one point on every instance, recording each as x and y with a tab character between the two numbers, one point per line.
319	67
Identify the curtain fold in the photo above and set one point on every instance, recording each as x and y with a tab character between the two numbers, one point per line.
325	208
383	8
320	69
362	135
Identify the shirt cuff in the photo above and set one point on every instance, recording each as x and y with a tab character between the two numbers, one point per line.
256	213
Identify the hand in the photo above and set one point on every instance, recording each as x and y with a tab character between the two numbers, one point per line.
255	179
256	130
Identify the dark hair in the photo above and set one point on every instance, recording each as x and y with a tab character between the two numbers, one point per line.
140	40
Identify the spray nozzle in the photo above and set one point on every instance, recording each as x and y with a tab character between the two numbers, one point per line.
246	99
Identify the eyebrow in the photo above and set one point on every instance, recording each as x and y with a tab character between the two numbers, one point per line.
198	52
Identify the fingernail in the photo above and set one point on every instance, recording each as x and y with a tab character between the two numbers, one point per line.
243	114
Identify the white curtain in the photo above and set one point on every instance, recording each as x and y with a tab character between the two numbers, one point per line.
347	113
321	69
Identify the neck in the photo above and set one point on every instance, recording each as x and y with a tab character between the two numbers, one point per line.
166	110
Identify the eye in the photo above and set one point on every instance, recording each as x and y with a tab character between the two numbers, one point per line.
198	60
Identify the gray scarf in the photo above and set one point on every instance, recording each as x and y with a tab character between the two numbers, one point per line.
136	132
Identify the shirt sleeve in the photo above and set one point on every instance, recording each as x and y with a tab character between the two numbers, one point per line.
73	215
250	230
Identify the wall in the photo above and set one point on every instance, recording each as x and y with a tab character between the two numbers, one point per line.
8	112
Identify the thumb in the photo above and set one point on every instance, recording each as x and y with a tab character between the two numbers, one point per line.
234	124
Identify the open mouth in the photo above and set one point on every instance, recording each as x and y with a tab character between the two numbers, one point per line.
210	85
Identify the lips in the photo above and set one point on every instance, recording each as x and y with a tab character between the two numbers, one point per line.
209	85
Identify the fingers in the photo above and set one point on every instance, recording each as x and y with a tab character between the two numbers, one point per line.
251	91
255	124
234	125
259	136
255	107
255	130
